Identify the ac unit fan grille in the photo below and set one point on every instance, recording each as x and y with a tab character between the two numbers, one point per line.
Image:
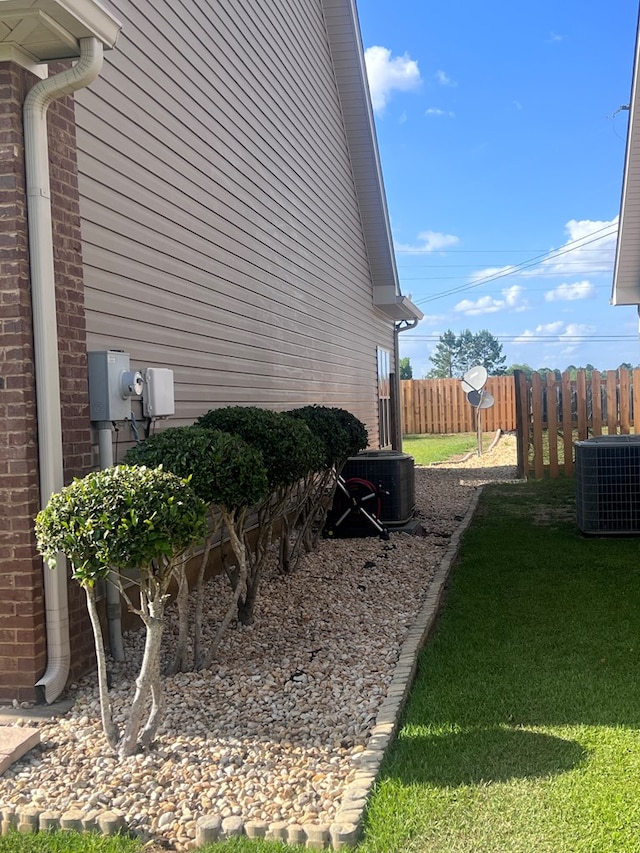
608	485
392	471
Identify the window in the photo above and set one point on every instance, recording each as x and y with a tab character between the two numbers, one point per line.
384	398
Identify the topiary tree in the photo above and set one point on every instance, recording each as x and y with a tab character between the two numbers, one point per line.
342	436
289	451
115	520
230	477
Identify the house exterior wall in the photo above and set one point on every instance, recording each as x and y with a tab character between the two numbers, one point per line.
221	230
22	617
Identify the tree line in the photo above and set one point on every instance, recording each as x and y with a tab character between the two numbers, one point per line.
455	354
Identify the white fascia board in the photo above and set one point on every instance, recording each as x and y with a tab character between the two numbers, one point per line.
345	41
626	273
47	30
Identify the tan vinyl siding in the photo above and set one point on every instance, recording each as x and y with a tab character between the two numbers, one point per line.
221	230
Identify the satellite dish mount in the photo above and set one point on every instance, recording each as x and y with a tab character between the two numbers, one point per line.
473	383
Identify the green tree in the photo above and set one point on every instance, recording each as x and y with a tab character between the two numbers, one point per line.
455	354
406	371
524	368
445	357
111	521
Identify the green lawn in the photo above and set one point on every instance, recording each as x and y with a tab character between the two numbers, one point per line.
66	842
522	731
427	449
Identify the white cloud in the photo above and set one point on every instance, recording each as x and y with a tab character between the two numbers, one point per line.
513	297
433	241
571	333
432	320
512	300
388	74
491	272
571	292
435	111
483	305
589	250
574	335
530	337
578	332
443	79
550	328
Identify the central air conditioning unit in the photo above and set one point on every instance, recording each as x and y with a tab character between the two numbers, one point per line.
608	485
393	472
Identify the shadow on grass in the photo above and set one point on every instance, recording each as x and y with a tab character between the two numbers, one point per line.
481	755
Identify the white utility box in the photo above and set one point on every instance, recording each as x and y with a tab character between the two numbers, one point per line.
157	396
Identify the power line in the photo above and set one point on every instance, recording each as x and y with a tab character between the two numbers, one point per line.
542	338
573	246
479	251
573	273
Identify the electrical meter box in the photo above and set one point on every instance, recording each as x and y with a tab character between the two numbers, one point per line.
111	384
157	396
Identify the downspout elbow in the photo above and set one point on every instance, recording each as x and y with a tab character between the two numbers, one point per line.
45	334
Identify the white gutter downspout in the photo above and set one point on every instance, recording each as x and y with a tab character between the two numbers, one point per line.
401	326
45	339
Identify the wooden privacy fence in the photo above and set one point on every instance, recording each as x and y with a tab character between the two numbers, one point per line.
440	406
553	413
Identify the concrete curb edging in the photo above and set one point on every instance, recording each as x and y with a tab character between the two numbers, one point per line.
346	830
389	712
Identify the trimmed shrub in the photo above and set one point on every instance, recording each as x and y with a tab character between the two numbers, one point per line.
287	445
230	476
290	454
123	518
224	470
342	434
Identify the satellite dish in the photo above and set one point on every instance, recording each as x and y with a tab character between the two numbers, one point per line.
480	399
475	378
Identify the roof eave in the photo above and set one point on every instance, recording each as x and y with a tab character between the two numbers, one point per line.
343	30
626	274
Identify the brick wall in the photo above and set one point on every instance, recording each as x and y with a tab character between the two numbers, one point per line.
72	339
22	627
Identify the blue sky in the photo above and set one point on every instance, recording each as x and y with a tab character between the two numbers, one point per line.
502	148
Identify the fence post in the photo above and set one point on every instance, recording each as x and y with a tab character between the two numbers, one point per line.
552	423
625	406
536	420
611	384
522	422
567	423
596	403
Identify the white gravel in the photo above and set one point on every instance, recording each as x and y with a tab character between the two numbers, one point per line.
273	731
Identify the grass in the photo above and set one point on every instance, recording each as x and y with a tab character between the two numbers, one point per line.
427	449
66	842
522	731
523	728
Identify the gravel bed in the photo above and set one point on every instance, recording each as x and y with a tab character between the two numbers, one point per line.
274	730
